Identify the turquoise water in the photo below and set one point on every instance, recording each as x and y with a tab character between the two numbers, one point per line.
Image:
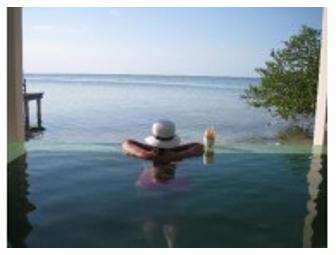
74	188
77	195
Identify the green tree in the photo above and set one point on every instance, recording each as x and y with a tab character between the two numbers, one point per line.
288	84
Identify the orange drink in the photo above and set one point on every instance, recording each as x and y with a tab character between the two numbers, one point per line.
209	139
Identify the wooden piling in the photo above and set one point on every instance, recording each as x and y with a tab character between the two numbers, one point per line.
39	119
26	113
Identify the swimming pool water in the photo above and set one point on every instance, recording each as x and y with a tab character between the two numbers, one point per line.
68	195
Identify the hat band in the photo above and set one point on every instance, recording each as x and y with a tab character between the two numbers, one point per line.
164	138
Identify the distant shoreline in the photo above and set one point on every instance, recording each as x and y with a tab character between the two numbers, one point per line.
153	75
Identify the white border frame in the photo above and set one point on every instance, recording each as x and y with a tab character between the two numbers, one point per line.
331	4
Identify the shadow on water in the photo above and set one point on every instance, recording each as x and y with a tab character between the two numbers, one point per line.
239	200
18	205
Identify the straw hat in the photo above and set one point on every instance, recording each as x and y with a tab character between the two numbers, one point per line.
163	135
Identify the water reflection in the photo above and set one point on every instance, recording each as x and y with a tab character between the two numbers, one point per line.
157	174
18	205
158	190
315	224
245	200
161	177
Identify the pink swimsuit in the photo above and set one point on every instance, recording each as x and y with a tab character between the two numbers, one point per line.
147	181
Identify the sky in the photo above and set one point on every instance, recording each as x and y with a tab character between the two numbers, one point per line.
180	41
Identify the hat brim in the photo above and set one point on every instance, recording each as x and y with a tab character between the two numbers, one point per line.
151	140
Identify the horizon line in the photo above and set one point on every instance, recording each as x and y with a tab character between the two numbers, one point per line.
141	74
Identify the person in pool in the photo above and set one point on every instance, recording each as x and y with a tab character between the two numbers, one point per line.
163	149
163	146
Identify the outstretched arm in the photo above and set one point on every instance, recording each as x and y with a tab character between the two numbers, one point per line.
188	151
180	153
188	146
143	151
138	150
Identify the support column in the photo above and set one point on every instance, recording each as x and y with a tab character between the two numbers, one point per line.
39	118
320	129
314	176
26	114
15	117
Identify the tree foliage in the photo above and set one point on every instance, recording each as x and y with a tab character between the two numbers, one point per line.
289	81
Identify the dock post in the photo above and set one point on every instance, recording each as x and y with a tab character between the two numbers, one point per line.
24	86
26	113
39	119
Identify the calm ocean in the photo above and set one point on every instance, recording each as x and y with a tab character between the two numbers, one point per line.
111	108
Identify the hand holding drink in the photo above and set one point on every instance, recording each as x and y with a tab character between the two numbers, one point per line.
209	139
209	142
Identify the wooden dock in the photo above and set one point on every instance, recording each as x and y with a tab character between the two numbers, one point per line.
37	97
